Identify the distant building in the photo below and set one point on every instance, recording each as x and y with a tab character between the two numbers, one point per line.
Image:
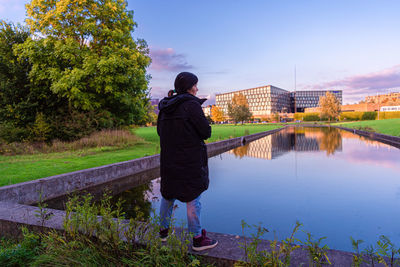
310	99
392	97
267	100
207	110
264	100
349	108
390	108
360	107
385	102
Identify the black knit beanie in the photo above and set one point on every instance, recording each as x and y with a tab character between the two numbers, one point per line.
184	81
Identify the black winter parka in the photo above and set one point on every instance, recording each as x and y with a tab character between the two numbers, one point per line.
182	128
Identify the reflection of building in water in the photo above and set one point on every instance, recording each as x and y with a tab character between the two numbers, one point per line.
268	147
304	143
298	139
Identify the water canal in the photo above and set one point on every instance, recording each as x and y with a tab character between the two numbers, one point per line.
334	182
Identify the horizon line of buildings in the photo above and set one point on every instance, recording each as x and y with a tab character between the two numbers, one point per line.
268	99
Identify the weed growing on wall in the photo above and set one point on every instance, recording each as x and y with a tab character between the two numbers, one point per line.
357	256
317	254
386	249
385	252
278	253
42	212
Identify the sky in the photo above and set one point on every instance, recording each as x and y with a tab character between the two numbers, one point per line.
347	45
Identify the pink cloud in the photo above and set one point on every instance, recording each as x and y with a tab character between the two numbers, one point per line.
386	156
365	84
168	60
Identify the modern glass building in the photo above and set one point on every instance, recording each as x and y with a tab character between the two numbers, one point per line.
267	100
310	99
264	100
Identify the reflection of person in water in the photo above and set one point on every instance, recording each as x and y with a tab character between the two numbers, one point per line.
182	128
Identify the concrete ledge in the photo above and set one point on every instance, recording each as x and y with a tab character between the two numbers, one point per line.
228	251
387	139
13	216
57	186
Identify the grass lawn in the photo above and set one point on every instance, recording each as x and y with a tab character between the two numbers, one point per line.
389	126
219	132
16	169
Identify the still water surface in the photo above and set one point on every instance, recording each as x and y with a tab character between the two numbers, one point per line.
335	183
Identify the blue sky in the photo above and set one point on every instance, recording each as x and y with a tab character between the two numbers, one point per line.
349	45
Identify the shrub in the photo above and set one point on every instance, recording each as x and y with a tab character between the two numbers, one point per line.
41	128
298	116
371	115
21	254
368	115
10	133
104	138
351	116
389	115
311	117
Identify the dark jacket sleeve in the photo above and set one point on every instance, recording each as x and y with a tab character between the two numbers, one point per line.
158	124
199	121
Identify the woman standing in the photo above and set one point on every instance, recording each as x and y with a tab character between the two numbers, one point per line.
182	128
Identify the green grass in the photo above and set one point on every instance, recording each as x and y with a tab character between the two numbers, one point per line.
226	131
16	169
389	126
219	132
22	168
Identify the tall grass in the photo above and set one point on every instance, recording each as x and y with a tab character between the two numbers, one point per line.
89	240
105	138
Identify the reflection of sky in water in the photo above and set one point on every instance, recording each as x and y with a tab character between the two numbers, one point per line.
350	187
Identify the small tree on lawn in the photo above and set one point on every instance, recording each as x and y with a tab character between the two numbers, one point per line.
217	114
238	109
330	106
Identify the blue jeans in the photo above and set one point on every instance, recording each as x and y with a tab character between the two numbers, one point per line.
193	209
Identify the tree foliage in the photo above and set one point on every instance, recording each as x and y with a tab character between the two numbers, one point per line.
330	106
239	100
84	67
238	109
217	114
16	97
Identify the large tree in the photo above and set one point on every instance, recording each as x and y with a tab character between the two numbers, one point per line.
238	109
330	106
83	52
17	101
